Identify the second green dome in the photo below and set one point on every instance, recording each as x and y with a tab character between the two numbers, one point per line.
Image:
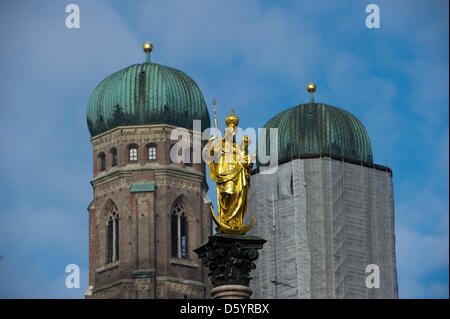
315	128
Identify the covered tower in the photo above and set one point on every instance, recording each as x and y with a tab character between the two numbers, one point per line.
326	210
148	213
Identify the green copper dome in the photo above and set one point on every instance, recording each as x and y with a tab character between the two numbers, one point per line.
146	93
315	128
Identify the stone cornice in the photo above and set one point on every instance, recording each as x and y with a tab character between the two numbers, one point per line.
139	133
166	169
111	182
130	128
165	175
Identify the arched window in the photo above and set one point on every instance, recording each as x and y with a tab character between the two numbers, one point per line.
179	231
112	233
152	153
102	161
114	156
132	154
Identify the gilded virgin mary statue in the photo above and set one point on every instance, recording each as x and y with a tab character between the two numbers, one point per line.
229	167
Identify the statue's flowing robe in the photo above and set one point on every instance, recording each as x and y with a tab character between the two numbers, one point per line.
232	178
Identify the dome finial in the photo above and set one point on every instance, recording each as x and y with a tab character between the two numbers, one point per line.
311	88
147	47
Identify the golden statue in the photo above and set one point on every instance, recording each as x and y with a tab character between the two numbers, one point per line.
230	170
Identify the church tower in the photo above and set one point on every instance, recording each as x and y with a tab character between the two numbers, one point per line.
148	213
326	210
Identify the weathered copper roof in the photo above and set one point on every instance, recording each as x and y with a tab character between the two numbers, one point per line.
147	93
315	128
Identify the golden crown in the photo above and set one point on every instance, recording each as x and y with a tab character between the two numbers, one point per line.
232	120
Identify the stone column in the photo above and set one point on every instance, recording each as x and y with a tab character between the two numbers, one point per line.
230	259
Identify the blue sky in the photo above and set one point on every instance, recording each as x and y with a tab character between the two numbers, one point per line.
255	56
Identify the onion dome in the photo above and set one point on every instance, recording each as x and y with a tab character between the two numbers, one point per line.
147	93
312	129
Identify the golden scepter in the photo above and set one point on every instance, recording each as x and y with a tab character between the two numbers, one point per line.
215	120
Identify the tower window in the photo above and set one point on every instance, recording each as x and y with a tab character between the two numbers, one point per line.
152	153
179	232
102	162
112	238
132	154
114	157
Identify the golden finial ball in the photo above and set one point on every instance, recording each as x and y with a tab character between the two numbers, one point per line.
311	88
148	47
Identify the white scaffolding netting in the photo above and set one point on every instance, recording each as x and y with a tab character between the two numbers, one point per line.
324	222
